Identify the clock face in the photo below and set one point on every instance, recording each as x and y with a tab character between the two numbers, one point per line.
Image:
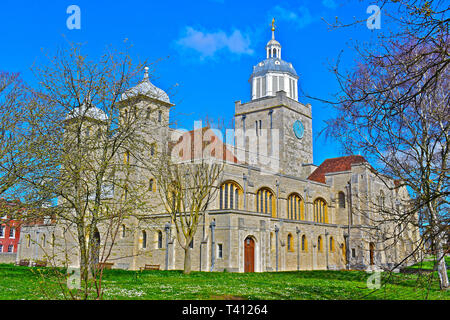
299	129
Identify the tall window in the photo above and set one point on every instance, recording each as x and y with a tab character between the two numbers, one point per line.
10	248
341	197
124	232
320	211
319	244
265	202
151	185
160	240
28	239
12	232
219	251
290	242
296	210
304	243
43	241
2	231
331	244
147	116
230	194
1	248
159	116
126	157
144	239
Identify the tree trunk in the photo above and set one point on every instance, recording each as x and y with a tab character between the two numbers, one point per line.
441	266
187	260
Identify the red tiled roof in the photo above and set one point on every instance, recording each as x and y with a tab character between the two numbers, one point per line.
334	165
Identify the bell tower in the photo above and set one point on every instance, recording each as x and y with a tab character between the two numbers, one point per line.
274	126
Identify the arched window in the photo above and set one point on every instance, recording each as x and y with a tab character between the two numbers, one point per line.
148	113
151	185
331	244
304	243
28	240
126	157
319	244
43	241
290	242
159	116
144	239
274	52
265	202
230	195
160	240
320	211
341	197
296	210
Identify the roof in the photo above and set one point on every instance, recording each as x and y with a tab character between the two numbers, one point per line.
146	88
88	112
273	64
210	142
335	165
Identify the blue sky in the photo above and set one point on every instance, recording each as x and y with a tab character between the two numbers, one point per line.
208	47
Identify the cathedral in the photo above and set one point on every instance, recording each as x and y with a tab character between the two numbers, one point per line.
274	210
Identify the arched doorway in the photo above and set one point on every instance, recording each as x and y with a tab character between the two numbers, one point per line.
371	251
249	255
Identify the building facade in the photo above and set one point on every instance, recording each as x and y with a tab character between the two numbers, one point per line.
274	209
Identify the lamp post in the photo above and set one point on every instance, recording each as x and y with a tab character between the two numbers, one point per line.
213	244
326	246
297	230
167	230
276	245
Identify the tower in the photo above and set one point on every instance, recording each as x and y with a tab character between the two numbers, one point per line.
275	116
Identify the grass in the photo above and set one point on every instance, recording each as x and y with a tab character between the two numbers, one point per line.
24	283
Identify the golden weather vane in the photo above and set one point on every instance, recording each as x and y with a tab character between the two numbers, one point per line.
273	24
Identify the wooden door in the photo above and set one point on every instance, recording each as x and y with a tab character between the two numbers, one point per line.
249	255
372	249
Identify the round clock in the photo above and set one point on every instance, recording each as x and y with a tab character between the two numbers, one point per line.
299	129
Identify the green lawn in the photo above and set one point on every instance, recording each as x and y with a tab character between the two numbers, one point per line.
24	283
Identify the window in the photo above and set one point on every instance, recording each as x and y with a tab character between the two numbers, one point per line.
331	244
147	116
126	157
143	239
265	202
341	197
319	244
256	127
219	251
304	243
271	118
159	116
320	211
191	245
28	239
43	241
1	248
124	231
10	248
151	185
152	149
53	240
290	242
230	195
12	232
296	210
353	253
271	241
160	240
2	231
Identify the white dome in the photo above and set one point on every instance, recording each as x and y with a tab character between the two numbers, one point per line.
91	112
146	88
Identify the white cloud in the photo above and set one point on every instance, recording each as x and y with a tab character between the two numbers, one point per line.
209	43
301	17
330	4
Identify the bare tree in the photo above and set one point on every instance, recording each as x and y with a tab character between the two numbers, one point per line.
88	134
394	108
187	179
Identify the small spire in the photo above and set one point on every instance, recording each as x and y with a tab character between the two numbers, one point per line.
145	73
273	29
